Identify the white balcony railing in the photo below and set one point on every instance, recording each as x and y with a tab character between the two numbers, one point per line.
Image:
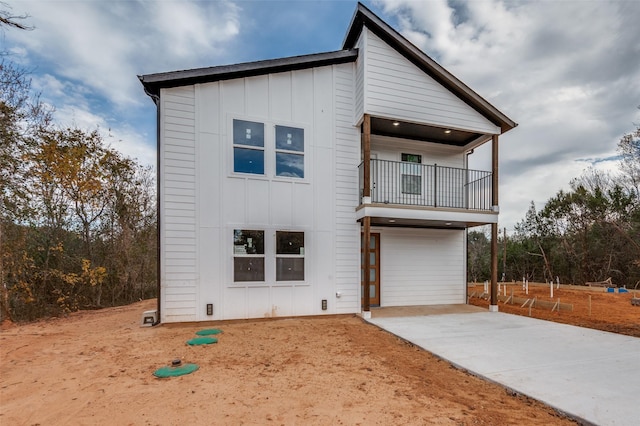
404	183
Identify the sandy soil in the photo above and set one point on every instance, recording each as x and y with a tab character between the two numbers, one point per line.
609	311
97	368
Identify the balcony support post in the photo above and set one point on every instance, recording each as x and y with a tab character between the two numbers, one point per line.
366	221
494	226
366	155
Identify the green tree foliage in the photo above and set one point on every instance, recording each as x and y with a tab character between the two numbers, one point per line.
478	257
590	232
78	222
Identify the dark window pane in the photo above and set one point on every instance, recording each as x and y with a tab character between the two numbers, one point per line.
411	184
412	158
289	165
290	269
289	242
248	133
289	138
248	269
248	161
248	242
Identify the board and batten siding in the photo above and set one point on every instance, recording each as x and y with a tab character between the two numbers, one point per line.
422	266
212	200
178	238
346	159
396	88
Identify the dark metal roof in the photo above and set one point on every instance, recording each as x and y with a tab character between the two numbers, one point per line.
364	17
154	82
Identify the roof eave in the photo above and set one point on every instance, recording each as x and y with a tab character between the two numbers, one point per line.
154	82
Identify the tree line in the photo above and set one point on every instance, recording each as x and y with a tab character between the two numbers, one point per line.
589	233
78	218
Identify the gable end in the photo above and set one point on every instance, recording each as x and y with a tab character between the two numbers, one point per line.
364	17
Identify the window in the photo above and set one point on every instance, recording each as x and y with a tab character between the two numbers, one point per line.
248	147
248	255
289	152
289	256
411	174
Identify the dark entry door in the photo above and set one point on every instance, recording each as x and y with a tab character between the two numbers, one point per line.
374	273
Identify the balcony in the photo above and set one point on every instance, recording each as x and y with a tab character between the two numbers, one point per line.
423	185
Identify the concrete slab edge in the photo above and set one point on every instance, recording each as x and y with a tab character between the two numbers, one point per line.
507	389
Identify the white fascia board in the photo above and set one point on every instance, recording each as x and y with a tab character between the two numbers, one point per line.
446	215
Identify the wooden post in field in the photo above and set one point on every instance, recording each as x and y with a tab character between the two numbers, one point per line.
589	305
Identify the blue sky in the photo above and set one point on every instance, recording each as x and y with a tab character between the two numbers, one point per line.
567	71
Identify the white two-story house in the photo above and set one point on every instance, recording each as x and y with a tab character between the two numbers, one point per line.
282	181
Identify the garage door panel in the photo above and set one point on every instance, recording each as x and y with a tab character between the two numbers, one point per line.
422	267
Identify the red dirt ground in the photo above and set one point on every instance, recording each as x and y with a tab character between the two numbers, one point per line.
609	311
96	367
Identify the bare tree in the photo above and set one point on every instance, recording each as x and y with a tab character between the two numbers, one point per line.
7	19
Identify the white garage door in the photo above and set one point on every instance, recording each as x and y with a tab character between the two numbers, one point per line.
422	267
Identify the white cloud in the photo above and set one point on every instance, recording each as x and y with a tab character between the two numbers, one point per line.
131	143
105	44
188	29
568	72
85	55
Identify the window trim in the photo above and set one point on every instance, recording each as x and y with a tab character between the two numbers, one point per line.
262	256
411	168
288	151
262	148
301	255
269	149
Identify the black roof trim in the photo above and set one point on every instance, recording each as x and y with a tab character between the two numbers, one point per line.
364	17
154	82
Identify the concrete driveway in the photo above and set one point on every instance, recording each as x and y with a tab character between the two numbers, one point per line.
592	376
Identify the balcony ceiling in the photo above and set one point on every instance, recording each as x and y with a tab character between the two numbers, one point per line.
416	223
421	132
424	217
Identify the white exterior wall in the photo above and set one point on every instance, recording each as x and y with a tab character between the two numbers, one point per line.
391	149
360	79
395	88
178	256
422	266
347	230
203	200
213	200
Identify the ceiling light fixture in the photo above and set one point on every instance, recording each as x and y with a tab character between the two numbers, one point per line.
396	123
448	223
392	221
446	132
